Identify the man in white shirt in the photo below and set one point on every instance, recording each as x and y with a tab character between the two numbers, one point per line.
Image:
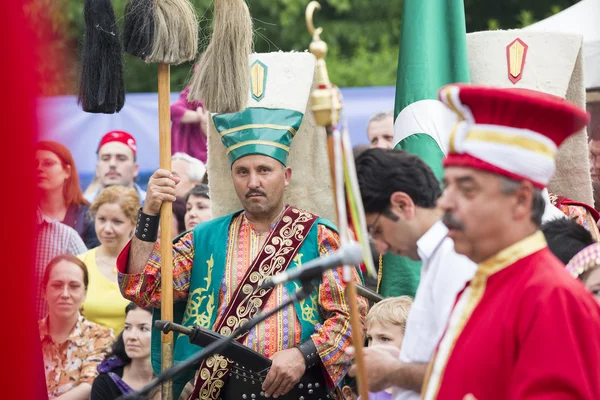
400	193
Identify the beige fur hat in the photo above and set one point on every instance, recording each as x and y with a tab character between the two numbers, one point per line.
548	62
279	81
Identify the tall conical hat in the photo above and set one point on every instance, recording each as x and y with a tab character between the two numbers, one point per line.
547	62
278	124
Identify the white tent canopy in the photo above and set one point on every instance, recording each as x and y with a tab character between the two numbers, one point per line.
582	18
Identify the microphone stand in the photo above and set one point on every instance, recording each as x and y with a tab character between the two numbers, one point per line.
216	346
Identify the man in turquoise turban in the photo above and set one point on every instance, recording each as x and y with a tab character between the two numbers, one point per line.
218	264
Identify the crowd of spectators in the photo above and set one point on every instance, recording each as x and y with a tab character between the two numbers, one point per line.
80	234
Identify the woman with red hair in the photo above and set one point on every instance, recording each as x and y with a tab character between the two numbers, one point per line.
60	196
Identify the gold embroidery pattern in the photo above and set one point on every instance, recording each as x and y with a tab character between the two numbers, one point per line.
280	244
215	368
197	313
247	300
308	312
298	260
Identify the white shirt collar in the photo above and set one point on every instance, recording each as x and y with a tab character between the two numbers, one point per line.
41	218
430	240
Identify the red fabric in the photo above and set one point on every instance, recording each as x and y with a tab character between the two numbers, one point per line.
467	160
561	200
533	335
548	115
22	370
121	137
123	258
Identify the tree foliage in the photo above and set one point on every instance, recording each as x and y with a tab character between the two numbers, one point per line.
363	35
509	14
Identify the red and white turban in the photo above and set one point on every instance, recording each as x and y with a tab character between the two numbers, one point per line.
511	132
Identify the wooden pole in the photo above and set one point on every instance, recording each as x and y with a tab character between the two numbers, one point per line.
357	341
331	155
325	105
337	165
166	214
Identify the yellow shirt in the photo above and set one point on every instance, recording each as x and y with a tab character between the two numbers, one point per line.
104	303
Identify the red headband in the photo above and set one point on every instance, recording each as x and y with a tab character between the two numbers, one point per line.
121	137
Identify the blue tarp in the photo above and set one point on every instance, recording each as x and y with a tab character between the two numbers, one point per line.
62	120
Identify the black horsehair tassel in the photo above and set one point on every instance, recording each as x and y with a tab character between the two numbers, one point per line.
101	89
138	30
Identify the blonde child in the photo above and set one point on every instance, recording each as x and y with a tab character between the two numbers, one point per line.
386	323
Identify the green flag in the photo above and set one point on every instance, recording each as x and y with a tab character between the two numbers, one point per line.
433	53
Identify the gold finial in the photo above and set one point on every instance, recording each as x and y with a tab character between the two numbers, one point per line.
310	10
317	47
324	99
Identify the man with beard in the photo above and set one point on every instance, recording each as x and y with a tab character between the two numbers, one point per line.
522	328
230	247
117	164
219	265
400	193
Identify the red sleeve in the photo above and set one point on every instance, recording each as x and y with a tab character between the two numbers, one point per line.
144	289
123	257
559	348
333	336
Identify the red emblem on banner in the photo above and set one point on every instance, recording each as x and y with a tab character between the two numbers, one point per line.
516	53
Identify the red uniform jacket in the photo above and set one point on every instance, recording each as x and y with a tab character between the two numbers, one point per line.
522	329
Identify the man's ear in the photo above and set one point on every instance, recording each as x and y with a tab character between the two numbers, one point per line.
402	205
347	392
523	201
287	172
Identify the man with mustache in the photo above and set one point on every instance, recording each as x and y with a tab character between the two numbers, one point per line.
117	164
522	328
219	264
400	193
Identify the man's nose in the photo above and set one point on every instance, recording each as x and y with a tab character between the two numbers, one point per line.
444	201
253	182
